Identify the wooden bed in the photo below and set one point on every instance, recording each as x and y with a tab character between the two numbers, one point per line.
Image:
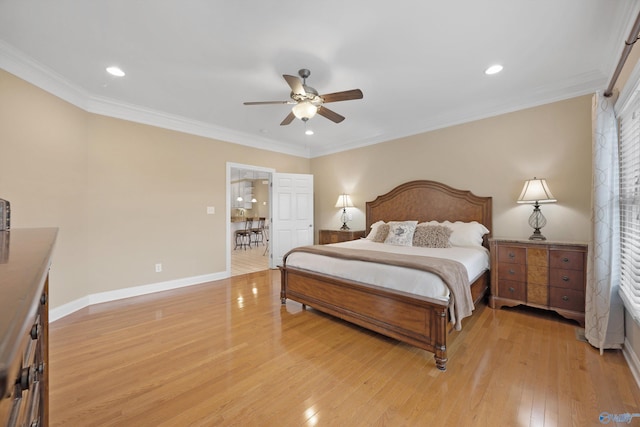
419	321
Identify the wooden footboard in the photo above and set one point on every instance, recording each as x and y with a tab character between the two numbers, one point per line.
419	321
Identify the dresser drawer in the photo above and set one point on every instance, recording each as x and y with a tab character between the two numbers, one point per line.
512	290
569	279
538	294
538	257
537	275
512	255
567	299
571	260
512	272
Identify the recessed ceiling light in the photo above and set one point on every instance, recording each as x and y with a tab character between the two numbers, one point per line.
115	71
308	132
493	69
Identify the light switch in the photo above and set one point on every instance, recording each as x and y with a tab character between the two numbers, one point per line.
211	210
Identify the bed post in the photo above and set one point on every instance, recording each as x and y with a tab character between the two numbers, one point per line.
440	347
283	285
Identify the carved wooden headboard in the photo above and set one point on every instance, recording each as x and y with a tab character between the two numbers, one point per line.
430	201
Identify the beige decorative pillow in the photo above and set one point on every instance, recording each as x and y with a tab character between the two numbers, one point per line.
374	229
432	236
381	233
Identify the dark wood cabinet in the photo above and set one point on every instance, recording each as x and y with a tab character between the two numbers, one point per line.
337	236
542	274
24	326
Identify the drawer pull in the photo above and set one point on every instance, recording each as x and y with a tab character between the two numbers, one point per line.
511	271
512	255
43	299
25	379
35	332
565	259
565	278
565	298
512	289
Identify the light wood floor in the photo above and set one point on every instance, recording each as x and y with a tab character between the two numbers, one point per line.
228	353
250	260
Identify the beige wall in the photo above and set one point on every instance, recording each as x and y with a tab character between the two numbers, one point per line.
43	173
490	157
125	195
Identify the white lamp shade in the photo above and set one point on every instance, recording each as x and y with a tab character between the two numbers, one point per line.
304	110
344	201
536	190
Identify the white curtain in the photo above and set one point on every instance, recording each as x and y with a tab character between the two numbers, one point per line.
604	322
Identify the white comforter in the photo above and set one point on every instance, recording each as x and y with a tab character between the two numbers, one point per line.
474	258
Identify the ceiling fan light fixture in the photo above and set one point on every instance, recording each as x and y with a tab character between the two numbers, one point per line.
304	110
115	71
494	69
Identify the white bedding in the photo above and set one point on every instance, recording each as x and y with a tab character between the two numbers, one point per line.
474	258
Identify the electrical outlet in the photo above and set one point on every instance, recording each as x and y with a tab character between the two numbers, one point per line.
211	210
158	268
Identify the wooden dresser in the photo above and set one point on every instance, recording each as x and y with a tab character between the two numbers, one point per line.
337	236
542	274
25	257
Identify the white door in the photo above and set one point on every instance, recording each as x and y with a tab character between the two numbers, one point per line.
292	214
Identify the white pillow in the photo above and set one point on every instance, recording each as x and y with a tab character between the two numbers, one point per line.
401	233
464	233
374	230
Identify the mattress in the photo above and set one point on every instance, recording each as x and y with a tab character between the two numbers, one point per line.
474	258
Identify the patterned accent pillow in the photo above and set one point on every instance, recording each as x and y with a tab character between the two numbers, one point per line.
381	233
401	233
432	236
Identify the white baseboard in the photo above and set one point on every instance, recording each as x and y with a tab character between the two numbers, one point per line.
80	303
632	360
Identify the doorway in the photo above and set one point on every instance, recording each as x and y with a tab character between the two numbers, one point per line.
249	218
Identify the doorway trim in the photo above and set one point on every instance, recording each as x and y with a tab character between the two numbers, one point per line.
231	165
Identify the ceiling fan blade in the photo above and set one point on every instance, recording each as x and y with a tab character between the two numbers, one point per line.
342	96
267	102
288	119
329	114
295	84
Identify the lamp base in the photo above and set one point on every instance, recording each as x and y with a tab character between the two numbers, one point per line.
537	235
344	218
537	221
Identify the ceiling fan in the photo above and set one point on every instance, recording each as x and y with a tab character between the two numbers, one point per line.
306	101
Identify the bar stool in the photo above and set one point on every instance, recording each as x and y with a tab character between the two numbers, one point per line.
243	236
265	231
257	233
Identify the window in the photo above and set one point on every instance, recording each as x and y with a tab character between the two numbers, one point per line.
629	157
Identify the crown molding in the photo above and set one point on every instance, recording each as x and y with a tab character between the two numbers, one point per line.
17	63
584	84
134	113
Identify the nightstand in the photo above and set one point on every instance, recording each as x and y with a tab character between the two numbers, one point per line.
545	274
337	236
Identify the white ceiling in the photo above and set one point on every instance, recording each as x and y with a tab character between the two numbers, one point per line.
190	64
